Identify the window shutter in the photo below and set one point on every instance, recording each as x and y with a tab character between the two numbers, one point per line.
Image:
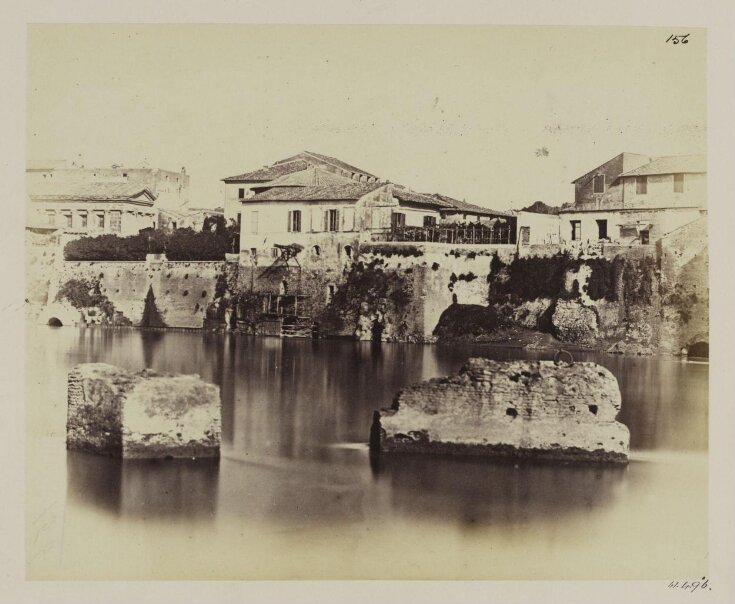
288	222
326	220
336	221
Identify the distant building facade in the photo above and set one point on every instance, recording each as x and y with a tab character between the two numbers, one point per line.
102	200
94	209
636	199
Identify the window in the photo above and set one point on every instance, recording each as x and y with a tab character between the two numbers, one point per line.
99	220
125	175
397	220
641	185
576	229
332	220
645	236
525	232
331	290
66	214
115	221
240	193
348	251
51	217
254	222
602	229
348	219
678	183
294	221
598	184
429	221
83	220
239	220
316	250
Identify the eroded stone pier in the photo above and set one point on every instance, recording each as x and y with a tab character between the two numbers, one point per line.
146	414
531	409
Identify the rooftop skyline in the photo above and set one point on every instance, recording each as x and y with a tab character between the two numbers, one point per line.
489	114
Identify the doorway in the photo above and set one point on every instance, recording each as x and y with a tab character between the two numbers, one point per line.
601	229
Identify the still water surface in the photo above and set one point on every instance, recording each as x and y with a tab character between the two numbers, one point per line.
296	496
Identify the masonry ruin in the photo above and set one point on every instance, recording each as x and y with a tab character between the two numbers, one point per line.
555	410
117	413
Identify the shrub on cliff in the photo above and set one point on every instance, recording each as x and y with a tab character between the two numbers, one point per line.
367	286
85	294
530	278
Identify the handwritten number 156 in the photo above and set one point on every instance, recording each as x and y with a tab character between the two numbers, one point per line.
678	39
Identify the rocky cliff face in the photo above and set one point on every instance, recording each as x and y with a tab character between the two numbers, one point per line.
535	409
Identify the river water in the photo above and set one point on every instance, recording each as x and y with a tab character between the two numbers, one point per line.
295	495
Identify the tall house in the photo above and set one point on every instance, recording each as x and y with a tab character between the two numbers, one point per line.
636	199
241	186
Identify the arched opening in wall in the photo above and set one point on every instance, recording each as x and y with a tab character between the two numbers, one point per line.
316	250
348	251
699	350
54	322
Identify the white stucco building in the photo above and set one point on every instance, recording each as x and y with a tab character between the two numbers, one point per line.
636	199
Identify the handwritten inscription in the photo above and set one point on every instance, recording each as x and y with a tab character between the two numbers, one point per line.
680	39
691	586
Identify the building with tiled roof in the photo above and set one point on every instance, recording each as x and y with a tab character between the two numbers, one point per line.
93	208
462	211
328	169
636	199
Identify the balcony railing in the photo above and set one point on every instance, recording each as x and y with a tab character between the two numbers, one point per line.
466	234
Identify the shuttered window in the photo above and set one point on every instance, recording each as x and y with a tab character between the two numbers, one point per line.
331	220
641	185
598	185
348	219
294	221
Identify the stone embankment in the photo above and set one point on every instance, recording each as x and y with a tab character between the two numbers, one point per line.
117	413
527	409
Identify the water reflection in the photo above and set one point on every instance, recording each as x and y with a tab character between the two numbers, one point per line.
287	402
144	488
486	491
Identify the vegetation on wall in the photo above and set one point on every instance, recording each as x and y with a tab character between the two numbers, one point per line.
212	243
681	301
367	288
81	293
527	279
391	250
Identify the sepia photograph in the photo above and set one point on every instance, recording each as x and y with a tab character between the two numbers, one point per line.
367	302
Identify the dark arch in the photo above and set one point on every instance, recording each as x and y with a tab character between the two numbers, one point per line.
55	322
699	350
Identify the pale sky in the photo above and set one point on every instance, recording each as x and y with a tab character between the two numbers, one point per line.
460	110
